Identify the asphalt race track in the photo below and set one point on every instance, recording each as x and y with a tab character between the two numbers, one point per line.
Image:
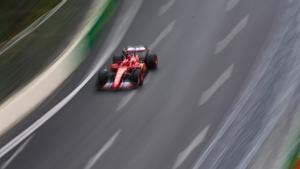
193	112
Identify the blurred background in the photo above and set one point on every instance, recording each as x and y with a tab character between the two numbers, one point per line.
225	95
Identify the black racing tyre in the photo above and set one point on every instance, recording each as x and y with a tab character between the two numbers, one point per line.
151	61
118	58
137	77
102	77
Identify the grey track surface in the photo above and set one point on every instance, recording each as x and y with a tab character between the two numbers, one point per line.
164	116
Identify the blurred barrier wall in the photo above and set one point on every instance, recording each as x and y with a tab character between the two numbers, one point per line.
29	52
18	15
282	148
273	96
22	102
290	156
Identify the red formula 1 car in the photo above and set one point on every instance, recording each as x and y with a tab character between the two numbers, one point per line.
128	69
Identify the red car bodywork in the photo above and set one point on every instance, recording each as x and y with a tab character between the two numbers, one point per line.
127	70
126	66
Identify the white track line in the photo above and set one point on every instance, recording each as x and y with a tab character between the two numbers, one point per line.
236	30
114	41
16	153
217	84
99	154
195	143
126	99
166	7
231	4
32	27
163	34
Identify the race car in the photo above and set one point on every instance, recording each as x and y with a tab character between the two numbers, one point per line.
128	69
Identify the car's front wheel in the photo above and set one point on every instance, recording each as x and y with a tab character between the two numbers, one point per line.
102	78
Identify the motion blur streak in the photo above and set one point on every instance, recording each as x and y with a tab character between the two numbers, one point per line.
113	41
125	100
106	146
163	118
231	4
166	7
18	151
162	35
185	153
31	27
270	96
217	84
236	30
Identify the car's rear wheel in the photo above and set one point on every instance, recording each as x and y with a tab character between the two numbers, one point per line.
137	77
151	61
118	58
